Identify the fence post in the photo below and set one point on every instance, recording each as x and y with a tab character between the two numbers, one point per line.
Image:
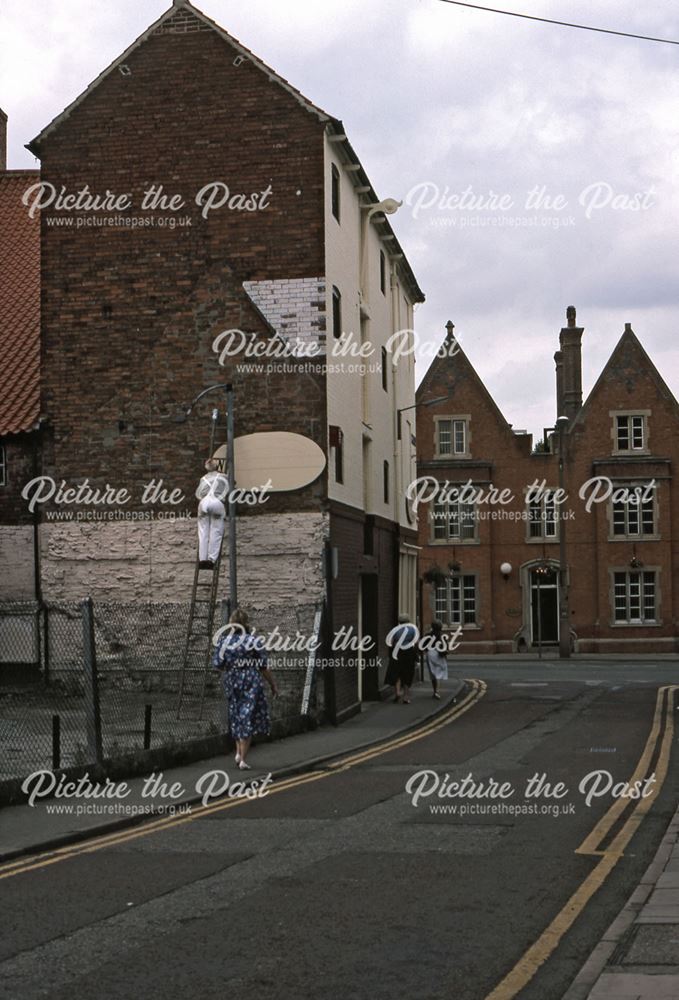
92	713
46	642
56	742
148	710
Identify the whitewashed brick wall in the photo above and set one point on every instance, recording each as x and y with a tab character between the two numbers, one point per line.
295	307
280	559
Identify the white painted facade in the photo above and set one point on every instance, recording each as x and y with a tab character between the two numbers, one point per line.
357	400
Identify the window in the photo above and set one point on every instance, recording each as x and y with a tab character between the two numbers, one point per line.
630	432
336	313
454	521
385	370
335	191
3	466
383	273
385	480
452	436
633	516
339	462
336	439
634	597
456	600
542	517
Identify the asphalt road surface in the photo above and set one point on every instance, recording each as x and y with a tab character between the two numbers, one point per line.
338	886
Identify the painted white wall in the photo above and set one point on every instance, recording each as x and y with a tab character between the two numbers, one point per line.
280	559
357	402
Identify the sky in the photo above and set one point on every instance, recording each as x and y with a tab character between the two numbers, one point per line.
538	165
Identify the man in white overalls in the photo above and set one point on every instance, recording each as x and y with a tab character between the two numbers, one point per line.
212	491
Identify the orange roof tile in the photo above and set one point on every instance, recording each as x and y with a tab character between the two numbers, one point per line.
19	306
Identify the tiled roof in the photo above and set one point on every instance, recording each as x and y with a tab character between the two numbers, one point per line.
19	306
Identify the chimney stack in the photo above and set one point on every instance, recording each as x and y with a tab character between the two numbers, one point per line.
3	141
558	361
569	367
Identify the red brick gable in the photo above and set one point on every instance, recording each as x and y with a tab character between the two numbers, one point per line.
447	372
19	306
627	366
181	19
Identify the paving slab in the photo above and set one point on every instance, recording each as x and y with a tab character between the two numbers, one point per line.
635	986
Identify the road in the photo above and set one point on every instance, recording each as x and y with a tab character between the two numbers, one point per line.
337	886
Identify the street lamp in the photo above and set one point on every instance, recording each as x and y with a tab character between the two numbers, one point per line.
231	476
564	612
414	406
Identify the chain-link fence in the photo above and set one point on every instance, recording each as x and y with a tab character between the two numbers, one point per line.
83	682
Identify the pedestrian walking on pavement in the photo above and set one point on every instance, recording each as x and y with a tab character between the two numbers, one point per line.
435	656
243	662
402	659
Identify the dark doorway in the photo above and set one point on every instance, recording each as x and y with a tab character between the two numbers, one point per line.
370	626
544	592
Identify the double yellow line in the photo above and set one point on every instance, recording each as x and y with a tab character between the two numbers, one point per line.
44	860
540	951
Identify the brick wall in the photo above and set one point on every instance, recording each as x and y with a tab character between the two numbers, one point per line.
21	453
279	560
129	315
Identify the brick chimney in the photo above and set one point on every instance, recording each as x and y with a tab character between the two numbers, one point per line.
558	361
3	141
569	367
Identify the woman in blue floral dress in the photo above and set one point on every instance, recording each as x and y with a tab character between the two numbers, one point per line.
241	657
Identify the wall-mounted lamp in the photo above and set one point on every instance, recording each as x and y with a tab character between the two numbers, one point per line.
389	206
505	569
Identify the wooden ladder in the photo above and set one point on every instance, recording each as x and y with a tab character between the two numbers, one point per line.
197	657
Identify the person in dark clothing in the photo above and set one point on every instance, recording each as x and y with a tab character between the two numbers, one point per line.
402	659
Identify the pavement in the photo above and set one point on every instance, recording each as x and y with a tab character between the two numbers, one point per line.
25	829
638	956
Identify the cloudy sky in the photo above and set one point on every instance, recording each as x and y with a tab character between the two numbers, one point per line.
439	100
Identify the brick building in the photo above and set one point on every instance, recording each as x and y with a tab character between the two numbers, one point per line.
490	564
20	380
209	195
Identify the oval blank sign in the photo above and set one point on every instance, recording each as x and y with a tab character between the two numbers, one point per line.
290	461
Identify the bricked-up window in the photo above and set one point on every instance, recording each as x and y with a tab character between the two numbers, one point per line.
630	432
385	480
633	516
456	602
635	597
383	273
385	370
452	436
3	466
336	313
335	191
542	517
454	521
